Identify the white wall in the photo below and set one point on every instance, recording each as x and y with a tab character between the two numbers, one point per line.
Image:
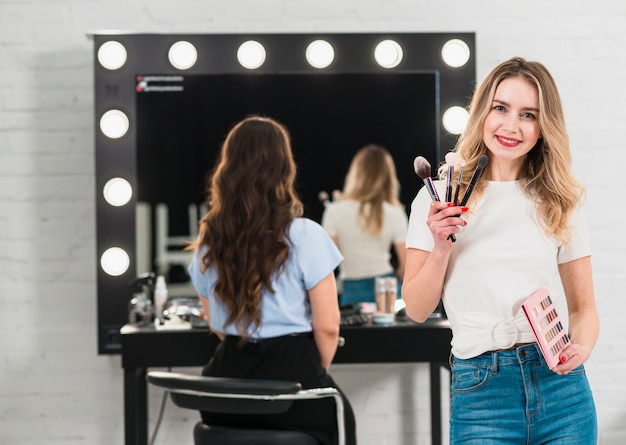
55	389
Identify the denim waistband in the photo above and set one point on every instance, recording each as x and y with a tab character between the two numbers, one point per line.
514	356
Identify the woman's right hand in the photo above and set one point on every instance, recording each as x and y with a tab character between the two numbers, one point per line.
444	219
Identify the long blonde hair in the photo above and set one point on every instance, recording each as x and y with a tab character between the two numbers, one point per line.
372	181
546	173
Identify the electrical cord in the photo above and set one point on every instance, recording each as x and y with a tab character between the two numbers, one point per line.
160	417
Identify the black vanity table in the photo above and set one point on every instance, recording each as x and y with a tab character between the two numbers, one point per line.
401	342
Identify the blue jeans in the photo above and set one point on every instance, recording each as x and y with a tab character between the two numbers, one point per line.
512	397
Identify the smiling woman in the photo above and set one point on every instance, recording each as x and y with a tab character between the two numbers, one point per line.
511	128
177	96
523	235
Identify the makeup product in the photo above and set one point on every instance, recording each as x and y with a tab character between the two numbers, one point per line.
458	185
482	161
451	158
160	298
140	308
423	170
324	198
547	326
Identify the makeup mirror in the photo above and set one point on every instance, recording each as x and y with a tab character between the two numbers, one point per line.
164	102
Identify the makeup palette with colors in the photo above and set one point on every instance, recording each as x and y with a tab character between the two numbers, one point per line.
546	324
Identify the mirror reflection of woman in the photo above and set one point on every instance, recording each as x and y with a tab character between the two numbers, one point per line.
366	223
265	277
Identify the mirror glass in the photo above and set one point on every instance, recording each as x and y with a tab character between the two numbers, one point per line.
182	120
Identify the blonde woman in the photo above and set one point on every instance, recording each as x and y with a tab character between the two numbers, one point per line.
523	229
367	223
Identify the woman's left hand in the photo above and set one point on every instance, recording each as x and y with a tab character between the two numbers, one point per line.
572	357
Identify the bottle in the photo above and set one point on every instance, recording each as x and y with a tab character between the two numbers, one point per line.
140	309
391	294
160	298
381	294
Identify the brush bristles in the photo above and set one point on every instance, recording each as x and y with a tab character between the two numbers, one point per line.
422	167
452	158
482	161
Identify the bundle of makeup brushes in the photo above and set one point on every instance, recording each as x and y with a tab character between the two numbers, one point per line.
423	170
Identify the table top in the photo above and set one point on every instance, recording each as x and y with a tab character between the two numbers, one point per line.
402	341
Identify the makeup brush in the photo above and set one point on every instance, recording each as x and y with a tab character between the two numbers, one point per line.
423	170
482	161
451	158
458	185
324	198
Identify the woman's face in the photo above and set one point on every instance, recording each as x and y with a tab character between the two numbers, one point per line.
511	128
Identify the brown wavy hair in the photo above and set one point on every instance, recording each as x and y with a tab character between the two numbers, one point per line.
372	181
252	202
546	174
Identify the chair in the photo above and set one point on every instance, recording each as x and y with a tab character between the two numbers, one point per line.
243	396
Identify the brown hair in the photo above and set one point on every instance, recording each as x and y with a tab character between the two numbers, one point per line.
252	202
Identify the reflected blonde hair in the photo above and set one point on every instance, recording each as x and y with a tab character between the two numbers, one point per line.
546	174
372	181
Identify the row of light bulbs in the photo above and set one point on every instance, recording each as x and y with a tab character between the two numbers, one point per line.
251	54
114	123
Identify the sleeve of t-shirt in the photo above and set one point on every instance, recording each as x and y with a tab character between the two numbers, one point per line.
418	235
316	253
580	245
196	276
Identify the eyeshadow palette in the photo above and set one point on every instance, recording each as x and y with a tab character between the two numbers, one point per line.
547	326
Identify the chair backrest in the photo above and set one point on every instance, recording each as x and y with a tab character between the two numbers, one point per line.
226	395
243	396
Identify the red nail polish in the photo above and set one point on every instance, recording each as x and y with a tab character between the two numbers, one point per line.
450	204
464	209
563	359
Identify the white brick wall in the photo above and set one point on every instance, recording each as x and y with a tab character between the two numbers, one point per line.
54	389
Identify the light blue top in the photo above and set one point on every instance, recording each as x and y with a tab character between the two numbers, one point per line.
312	256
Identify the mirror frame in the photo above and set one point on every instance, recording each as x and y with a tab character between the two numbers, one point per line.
217	54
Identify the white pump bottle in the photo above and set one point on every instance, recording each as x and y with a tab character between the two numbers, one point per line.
160	298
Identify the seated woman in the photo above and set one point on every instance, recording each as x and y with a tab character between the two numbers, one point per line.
366	223
265	278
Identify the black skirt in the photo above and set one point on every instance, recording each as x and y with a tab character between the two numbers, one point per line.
291	357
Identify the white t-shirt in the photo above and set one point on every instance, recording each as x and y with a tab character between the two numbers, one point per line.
365	255
500	258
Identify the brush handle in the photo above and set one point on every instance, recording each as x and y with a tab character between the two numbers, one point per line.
470	187
458	186
428	182
449	183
